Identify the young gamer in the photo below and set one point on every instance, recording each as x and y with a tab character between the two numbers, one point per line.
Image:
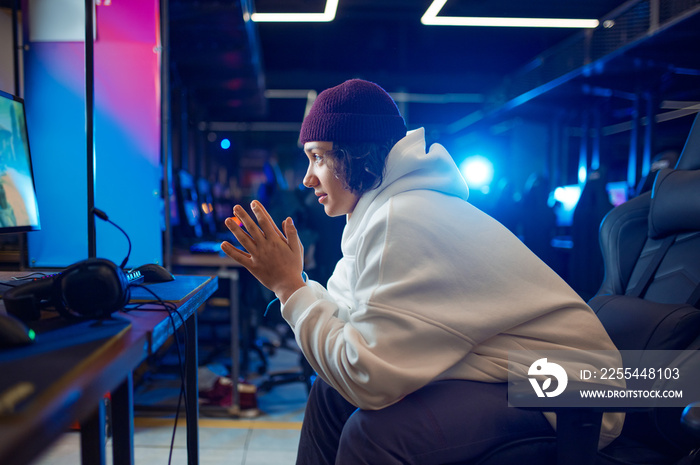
410	337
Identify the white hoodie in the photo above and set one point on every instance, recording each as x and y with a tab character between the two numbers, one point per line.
431	288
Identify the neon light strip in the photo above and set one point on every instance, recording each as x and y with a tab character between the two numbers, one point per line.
431	18
327	16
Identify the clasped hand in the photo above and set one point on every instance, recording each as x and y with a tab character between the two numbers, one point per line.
274	257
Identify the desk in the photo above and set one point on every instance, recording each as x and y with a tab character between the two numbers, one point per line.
225	268
100	359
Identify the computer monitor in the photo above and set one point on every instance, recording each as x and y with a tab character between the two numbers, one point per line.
19	210
206	207
190	225
618	192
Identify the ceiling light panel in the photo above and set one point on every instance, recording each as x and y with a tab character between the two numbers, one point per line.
327	16
431	18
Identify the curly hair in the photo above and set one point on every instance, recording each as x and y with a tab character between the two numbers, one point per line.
360	166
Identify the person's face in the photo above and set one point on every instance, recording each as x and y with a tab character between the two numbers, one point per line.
331	193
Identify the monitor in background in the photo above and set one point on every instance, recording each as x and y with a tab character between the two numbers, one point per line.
190	224
19	210
206	207
618	192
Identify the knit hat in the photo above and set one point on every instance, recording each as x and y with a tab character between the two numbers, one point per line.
354	111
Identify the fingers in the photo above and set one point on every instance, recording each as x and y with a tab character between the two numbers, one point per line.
258	235
292	237
265	220
271	257
265	226
237	254
234	225
249	223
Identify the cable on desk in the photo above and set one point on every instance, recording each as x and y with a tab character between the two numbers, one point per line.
170	308
15	281
30	276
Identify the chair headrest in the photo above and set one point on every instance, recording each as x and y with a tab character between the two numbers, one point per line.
675	203
690	156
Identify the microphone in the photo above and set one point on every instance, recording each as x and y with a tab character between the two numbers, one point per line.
103	216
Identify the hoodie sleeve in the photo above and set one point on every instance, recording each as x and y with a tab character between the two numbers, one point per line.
393	341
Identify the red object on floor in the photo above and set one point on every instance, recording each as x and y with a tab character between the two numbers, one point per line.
221	394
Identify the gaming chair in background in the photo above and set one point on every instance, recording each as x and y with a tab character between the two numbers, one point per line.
676	212
650	294
648	300
663	160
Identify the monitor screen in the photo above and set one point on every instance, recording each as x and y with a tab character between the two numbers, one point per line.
188	205
18	205
618	192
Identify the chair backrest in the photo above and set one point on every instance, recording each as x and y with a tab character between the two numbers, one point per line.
651	252
649	295
690	156
633	235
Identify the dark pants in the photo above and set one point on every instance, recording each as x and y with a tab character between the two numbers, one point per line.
445	421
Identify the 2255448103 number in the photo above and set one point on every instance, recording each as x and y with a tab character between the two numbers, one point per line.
639	373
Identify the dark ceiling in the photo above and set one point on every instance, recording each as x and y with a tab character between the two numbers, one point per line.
232	71
233	74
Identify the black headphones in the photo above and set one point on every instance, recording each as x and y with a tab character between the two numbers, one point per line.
90	289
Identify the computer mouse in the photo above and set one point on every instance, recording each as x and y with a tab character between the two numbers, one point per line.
153	273
13	332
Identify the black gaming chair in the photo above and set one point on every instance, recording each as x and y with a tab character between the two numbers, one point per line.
648	300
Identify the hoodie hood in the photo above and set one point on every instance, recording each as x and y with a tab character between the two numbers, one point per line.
409	167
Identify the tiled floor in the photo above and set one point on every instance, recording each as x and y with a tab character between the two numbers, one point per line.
268	439
244	442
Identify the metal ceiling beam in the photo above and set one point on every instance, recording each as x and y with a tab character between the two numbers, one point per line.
585	54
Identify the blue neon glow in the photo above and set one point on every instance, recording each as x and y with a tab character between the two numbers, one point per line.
477	171
568	196
565	200
582	174
225	144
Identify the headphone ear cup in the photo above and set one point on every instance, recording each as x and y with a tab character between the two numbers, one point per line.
93	289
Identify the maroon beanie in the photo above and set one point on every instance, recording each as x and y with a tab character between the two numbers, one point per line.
354	111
